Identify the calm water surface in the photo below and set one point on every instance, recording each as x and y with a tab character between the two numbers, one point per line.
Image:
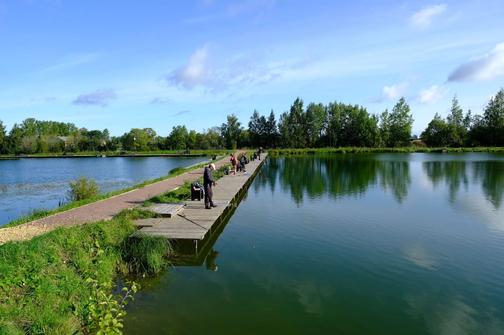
367	244
31	184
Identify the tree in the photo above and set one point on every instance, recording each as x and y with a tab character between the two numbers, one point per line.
455	124
138	139
192	140
212	138
271	131
437	132
316	117
494	119
230	132
15	140
297	122
401	122
3	139
385	138
178	138
256	129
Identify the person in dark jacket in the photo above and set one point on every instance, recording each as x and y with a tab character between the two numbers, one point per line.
208	182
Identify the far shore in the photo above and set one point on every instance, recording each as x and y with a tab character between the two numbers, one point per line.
191	153
217	152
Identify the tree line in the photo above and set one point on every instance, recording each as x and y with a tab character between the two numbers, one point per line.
316	125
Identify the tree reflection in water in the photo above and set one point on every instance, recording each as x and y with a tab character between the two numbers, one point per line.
314	176
336	175
489	174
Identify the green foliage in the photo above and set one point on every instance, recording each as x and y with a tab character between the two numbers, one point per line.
494	120
145	255
139	140
400	124
230	132
317	125
178	138
437	132
105	311
60	282
3	138
82	189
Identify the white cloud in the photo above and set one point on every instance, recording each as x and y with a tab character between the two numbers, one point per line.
431	94
487	67
195	72
234	72
423	18
97	98
394	92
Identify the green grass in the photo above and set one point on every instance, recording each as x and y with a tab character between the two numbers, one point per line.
45	282
56	283
411	149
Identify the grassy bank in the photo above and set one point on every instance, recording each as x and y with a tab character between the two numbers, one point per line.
62	282
412	149
84	154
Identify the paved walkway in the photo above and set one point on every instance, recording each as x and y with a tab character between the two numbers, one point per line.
100	210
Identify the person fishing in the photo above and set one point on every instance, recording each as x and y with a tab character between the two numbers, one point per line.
208	182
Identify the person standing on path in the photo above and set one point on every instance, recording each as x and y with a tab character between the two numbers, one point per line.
208	182
233	163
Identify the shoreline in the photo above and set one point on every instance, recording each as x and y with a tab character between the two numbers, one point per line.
107	154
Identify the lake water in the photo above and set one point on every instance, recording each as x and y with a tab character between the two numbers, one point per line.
31	184
347	244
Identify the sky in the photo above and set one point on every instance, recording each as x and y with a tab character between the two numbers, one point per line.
134	64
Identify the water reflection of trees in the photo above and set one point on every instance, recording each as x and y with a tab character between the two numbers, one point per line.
488	174
337	176
491	176
453	173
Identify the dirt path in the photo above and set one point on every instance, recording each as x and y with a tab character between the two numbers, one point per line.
101	210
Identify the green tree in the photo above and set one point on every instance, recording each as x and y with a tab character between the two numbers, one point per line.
271	131
3	139
285	131
256	129
401	122
385	129
230	131
494	119
455	122
192	140
138	139
316	117
178	138
437	132
15	140
297	122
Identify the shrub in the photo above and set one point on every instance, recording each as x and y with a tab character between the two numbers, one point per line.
83	188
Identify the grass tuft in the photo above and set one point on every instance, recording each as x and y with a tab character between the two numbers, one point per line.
145	255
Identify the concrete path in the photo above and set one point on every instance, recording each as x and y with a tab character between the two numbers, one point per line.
101	210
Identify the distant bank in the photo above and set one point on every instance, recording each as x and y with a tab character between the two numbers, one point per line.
201	153
195	153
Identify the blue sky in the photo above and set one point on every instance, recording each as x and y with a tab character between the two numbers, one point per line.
123	64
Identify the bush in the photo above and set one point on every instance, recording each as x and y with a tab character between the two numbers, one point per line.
83	188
